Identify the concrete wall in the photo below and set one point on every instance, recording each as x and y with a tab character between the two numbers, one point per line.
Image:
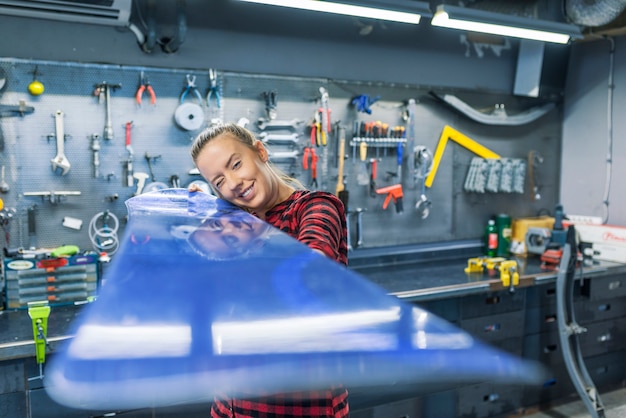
594	131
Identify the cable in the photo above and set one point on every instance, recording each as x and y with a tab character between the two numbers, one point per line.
104	238
609	112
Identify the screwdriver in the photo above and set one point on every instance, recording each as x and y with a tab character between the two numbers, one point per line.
400	151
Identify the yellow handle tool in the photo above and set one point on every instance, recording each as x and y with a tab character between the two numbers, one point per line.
342	142
39	313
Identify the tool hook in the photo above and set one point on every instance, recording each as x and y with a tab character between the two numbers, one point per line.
270	104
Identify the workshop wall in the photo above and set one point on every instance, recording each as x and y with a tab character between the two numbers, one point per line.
155	135
254	53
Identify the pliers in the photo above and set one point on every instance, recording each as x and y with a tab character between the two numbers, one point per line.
144	85
214	90
305	164
191	86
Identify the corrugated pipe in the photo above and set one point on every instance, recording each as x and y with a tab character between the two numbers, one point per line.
579	12
172	45
593	12
150	42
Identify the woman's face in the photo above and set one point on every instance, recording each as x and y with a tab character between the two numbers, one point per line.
237	172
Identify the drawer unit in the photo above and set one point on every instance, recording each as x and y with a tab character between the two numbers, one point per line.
545	294
496	327
603	337
607	370
56	280
544	317
544	347
600	310
541	319
557	385
606	287
405	408
492	303
488	399
447	309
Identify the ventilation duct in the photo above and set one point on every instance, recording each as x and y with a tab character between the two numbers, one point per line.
101	12
593	12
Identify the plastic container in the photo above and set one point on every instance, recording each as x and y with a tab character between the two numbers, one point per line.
503	225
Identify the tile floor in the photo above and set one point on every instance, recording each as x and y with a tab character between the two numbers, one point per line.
614	406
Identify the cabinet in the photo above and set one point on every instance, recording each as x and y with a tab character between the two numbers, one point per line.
55	280
524	323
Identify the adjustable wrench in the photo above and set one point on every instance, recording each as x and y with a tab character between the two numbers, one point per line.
60	161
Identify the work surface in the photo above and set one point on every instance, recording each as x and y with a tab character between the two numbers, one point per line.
427	280
411	281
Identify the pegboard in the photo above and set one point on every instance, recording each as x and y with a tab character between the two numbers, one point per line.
69	88
30	144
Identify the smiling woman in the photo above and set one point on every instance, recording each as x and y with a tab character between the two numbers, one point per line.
236	166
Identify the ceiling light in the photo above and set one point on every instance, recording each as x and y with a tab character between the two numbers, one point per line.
388	10
506	25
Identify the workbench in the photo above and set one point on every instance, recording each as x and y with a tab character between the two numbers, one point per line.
519	321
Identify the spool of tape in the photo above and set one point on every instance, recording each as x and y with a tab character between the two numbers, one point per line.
189	116
537	240
154	186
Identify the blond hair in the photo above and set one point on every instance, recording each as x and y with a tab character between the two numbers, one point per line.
242	135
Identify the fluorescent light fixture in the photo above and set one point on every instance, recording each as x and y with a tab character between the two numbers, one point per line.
387	10
501	24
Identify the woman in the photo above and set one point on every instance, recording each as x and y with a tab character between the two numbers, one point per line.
236	166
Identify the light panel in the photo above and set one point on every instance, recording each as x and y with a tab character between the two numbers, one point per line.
505	25
386	10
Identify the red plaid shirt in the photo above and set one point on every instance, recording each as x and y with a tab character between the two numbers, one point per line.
317	219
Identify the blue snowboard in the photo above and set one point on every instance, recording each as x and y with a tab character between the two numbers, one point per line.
204	299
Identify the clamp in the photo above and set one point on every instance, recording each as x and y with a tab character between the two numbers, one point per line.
395	192
363	103
191	86
214	89
509	275
144	85
479	264
39	312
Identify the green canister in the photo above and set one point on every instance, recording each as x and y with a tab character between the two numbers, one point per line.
503	226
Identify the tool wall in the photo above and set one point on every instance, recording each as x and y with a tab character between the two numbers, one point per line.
81	200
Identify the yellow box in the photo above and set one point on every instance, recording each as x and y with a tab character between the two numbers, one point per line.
519	228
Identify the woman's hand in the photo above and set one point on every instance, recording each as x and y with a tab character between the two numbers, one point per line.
194	188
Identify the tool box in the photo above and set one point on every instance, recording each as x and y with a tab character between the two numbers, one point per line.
60	281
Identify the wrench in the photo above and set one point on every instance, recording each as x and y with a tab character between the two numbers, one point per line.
105	88
60	161
278	138
264	124
285	155
95	148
